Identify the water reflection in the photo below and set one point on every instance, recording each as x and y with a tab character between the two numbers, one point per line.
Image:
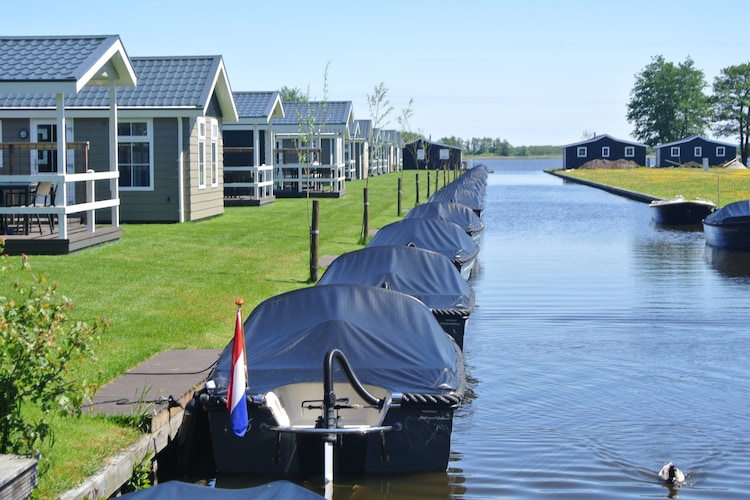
730	263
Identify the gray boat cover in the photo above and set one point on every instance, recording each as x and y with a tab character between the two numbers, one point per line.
466	193
391	340
739	211
437	235
426	275
177	490
458	213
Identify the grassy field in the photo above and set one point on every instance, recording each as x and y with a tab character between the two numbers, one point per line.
718	185
174	286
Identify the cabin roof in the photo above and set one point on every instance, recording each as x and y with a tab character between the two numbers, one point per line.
600	137
186	83
322	112
262	104
692	138
63	64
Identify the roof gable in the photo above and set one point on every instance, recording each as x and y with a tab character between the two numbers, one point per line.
601	137
323	113
691	139
258	106
55	65
163	82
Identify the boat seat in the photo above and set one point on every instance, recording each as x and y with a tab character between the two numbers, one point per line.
278	412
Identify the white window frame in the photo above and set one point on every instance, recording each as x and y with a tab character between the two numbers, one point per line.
605	151
674	152
629	151
697	151
131	139
581	152
721	151
201	126
214	153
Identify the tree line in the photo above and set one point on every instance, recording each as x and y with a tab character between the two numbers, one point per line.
498	147
669	102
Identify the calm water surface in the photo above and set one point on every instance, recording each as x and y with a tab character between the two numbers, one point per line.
602	347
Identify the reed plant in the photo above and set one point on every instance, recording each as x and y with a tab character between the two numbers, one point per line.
173	286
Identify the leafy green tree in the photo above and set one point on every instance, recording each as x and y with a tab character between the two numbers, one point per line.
731	105
40	345
667	102
293	94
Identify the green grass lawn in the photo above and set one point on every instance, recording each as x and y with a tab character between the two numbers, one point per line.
173	286
718	185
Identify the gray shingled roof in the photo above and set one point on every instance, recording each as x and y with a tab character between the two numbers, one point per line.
25	59
163	82
255	104
323	112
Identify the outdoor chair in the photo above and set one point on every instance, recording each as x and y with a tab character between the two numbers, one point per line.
45	191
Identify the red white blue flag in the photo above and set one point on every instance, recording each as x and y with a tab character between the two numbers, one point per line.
236	403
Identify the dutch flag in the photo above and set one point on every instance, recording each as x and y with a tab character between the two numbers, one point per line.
238	379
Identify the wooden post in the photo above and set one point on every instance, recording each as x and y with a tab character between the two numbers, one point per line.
366	217
417	202
314	241
399	196
428	186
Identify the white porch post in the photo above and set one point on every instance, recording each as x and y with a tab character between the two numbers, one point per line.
62	164
256	147
180	171
114	184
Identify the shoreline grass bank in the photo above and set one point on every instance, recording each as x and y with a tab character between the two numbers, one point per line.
721	186
173	287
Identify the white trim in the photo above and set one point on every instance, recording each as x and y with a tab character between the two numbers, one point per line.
605	151
581	151
214	152
629	151
697	151
200	123
674	151
721	151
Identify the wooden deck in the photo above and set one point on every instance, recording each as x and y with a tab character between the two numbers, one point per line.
49	243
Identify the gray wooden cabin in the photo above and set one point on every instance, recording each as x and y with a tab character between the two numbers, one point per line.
249	149
169	136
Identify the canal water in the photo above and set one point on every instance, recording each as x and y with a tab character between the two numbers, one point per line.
602	347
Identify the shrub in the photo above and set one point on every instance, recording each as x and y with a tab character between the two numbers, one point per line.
40	347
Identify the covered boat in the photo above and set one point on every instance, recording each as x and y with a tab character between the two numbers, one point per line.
470	194
388	404
729	227
437	235
426	275
678	211
455	212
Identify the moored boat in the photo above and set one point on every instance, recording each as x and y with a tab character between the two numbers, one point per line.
455	212
440	236
388	404
729	226
424	274
679	211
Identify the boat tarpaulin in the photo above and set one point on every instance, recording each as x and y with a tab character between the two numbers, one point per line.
177	490
736	211
391	340
440	236
427	275
455	212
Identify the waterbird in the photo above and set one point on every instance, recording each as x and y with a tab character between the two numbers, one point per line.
671	474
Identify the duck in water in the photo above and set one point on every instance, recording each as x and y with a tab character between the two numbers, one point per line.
671	474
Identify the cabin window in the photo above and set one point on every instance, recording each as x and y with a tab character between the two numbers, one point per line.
581	152
214	153
674	152
629	151
605	152
134	155
721	151
201	153
697	151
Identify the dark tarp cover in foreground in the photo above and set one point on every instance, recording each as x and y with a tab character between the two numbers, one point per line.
739	210
177	490
391	340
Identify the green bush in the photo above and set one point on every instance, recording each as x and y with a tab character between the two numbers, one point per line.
40	344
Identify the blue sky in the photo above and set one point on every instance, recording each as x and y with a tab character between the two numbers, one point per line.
530	71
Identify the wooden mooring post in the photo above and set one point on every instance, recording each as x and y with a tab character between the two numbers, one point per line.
314	241
400	192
